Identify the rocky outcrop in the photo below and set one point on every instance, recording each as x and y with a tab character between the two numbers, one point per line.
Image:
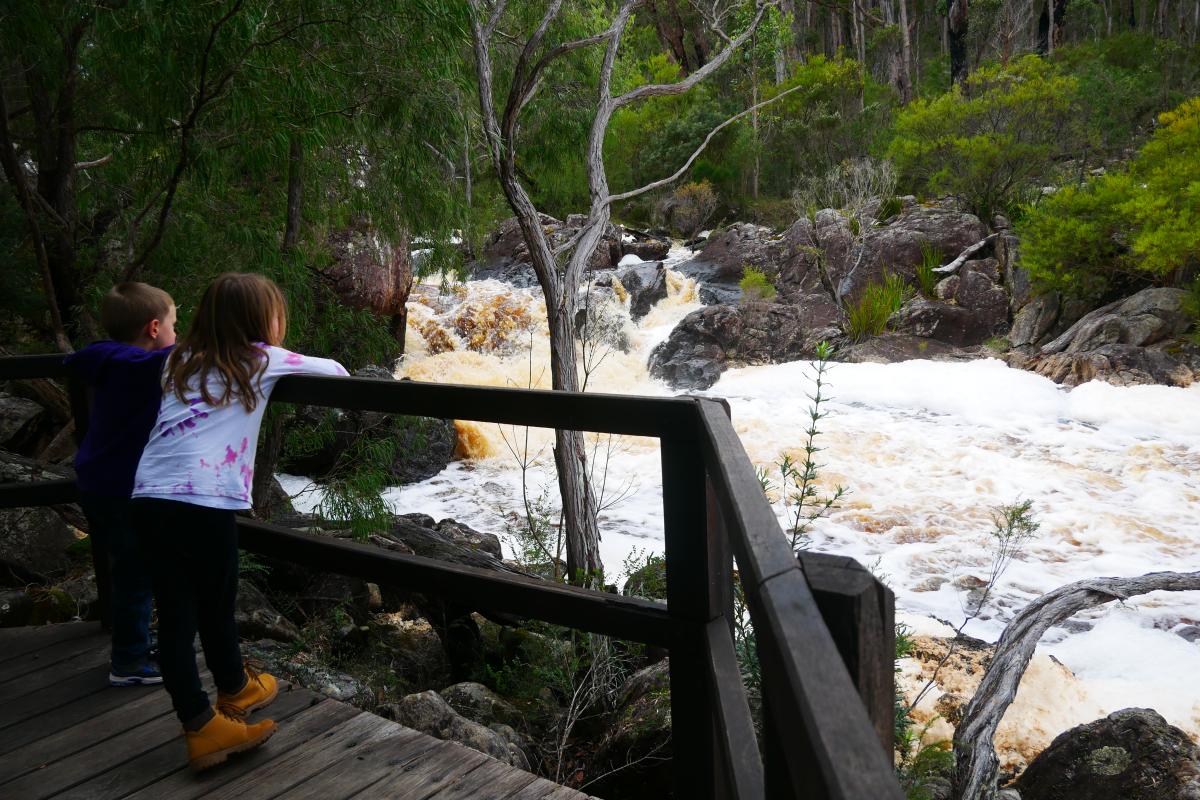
480	704
368	271
257	619
1132	754
428	713
423	445
20	423
707	341
1131	341
34	542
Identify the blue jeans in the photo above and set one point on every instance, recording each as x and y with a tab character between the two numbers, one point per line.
131	593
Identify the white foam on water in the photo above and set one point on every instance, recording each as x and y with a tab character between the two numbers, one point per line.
926	449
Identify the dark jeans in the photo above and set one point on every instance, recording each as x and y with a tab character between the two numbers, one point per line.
130	592
192	553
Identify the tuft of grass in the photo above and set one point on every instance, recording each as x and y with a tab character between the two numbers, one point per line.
889	208
869	316
756	285
927	279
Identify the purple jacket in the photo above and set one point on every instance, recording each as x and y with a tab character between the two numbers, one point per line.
127	390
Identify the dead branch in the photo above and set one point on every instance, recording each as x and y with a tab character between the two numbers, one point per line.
964	255
975	755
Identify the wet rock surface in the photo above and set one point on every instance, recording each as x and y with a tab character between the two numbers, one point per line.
1132	754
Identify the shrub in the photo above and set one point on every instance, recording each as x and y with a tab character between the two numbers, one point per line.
1124	229
756	285
982	143
691	206
869	316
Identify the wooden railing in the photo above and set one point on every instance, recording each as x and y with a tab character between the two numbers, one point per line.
823	625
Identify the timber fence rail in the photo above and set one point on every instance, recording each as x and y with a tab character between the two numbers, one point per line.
823	626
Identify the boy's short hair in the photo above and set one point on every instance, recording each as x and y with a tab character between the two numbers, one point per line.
130	306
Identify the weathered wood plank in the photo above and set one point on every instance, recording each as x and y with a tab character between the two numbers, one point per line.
168	757
542	788
370	765
47	675
142	707
17	643
735	728
52	492
444	764
307	759
75	685
92	649
491	780
600	612
314	717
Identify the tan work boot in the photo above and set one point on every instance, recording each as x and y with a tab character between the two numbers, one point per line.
259	691
222	736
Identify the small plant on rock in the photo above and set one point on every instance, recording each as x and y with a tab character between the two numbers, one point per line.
927	279
869	316
756	285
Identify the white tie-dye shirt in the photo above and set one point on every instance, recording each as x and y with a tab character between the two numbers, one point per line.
203	454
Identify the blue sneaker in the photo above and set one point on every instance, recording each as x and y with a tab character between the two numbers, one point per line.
145	675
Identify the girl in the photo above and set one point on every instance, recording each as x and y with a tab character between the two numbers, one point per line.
196	472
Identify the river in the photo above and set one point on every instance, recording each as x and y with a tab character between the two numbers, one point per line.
926	450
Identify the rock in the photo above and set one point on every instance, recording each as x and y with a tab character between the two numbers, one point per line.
946	288
646	246
257	619
707	341
20	423
84	594
1016	277
648	581
645	284
480	704
635	750
896	247
1189	633
428	713
713	288
740	245
951	324
1035	319
1130	341
505	255
35	541
369	272
424	446
1132	754
16	607
977	291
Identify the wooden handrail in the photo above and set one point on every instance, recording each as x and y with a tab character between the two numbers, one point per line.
819	741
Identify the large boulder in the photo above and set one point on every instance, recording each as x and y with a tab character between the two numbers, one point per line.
743	244
1132	754
20	423
428	713
257	619
1135	340
34	543
367	270
424	446
707	341
645	285
851	263
480	704
949	323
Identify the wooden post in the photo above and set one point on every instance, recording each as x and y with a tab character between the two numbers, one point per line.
860	613
693	592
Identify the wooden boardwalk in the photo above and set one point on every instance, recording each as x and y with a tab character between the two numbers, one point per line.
64	733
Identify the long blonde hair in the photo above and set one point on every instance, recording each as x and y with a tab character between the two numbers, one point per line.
238	311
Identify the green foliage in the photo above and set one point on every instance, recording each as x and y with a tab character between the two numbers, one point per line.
1127	228
869	316
1191	307
1004	130
756	285
645	574
889	208
692	205
927	279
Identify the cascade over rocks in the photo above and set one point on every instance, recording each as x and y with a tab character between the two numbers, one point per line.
709	340
1132	754
645	284
1131	341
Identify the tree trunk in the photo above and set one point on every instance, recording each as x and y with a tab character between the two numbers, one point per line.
956	29
291	229
671	35
906	58
975	755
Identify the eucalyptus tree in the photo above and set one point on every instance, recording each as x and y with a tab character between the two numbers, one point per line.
559	269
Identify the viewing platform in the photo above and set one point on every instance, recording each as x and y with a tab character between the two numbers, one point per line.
65	733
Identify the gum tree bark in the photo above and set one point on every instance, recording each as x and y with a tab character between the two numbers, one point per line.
975	756
956	29
560	285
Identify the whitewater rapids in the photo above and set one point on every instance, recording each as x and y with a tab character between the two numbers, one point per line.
926	451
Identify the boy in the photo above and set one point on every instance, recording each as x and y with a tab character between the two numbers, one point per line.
125	374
